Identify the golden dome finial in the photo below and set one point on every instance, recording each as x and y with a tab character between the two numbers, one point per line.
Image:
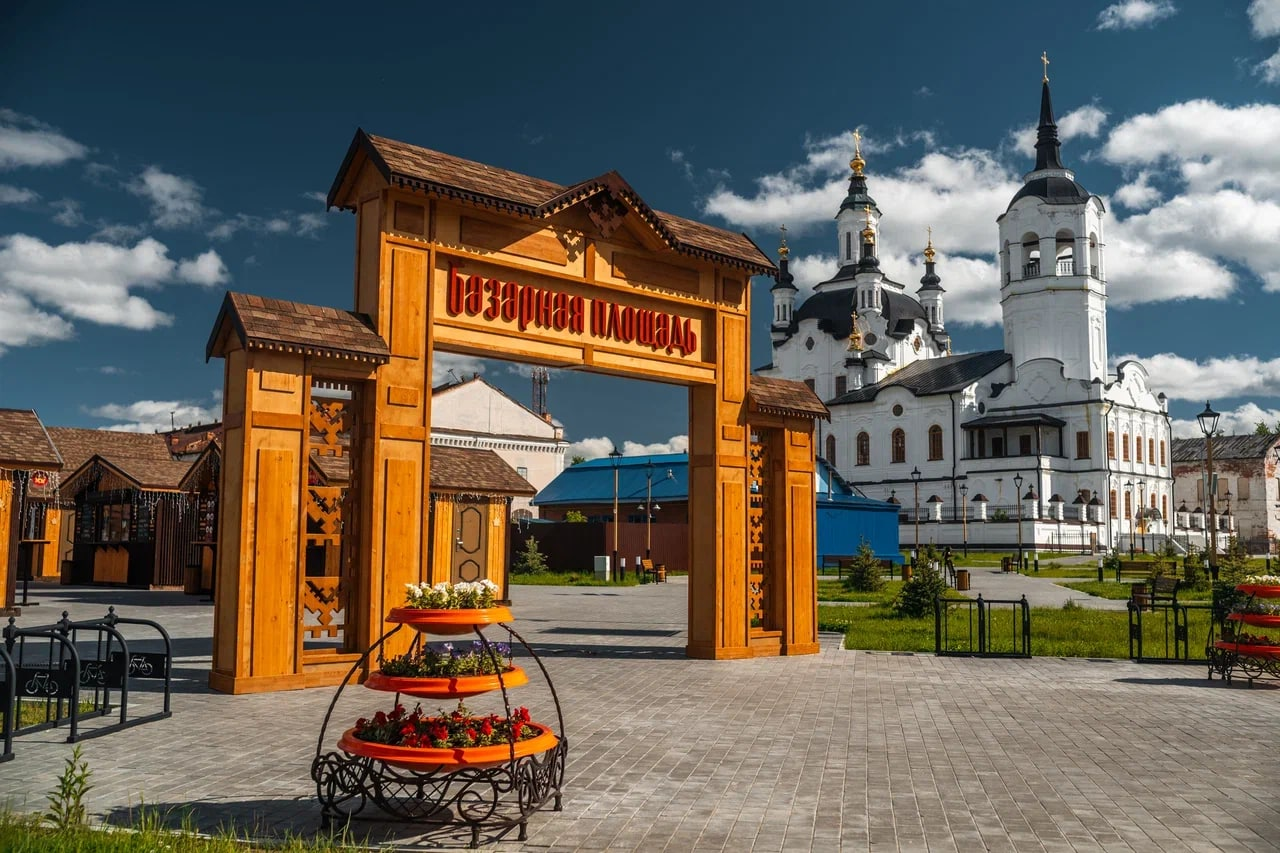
783	251
928	250
857	163
868	233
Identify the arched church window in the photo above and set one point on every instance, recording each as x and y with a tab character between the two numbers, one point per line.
899	445
1031	255
1065	252
1093	255
864	449
848	245
1162	451
1137	448
1124	446
831	449
1113	503
935	442
1151	451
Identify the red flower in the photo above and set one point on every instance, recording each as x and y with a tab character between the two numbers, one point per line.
486	728
379	719
516	727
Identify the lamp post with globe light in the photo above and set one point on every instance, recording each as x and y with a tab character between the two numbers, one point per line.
1208	420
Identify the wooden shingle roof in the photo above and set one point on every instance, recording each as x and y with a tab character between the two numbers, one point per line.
785	397
467	469
261	322
445	175
77	445
24	443
1249	446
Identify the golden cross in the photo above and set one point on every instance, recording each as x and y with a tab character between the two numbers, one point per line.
1044	57
930	230
857	144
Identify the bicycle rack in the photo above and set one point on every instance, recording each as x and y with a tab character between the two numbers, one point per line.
57	681
10	699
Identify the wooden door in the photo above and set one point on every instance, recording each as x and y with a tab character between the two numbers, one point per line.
470	542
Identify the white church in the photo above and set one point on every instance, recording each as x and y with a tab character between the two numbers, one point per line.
1036	443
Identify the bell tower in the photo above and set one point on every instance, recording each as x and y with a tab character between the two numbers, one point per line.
1053	293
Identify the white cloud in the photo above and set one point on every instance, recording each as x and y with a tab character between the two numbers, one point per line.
67	212
463	366
1223	377
1242	420
116	232
1264	17
91	281
23	324
316	195
206	269
17	195
302	224
176	202
1204	145
154	415
24	141
598	448
1132	14
1086	122
1138	194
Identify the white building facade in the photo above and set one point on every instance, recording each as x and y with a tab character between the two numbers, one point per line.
1039	431
473	413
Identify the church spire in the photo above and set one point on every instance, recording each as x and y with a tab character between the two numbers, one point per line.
858	199
1048	148
785	279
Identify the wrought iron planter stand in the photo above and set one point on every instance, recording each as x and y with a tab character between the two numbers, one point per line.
498	796
1231	656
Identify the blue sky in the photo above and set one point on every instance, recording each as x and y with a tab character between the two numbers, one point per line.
152	157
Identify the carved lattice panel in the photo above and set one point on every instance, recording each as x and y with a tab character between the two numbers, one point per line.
324	608
324	515
328	427
758	533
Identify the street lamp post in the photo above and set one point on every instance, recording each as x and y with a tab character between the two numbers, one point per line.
649	507
1208	420
964	512
915	478
1227	514
1128	497
1142	512
1017	496
614	456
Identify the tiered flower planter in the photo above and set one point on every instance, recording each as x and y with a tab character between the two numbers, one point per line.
494	787
1253	656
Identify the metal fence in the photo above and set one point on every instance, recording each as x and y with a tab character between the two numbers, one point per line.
982	627
1163	632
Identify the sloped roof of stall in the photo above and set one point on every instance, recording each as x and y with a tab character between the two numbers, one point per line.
591	482
25	443
454	469
420	168
151	475
261	322
785	397
76	445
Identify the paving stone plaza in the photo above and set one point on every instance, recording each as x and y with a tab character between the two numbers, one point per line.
844	750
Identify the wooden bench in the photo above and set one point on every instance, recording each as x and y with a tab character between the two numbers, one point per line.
1139	568
1161	590
657	574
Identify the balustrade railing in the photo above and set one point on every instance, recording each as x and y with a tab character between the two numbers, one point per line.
1066	266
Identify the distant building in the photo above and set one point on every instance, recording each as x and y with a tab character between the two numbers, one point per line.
1248	495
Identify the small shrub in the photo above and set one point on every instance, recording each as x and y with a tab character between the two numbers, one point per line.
1071	605
530	561
66	802
865	571
1233	563
917	595
574	516
999	515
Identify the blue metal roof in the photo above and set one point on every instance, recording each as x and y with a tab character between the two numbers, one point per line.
592	481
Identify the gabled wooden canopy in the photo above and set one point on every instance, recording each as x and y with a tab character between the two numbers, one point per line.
145	475
210	457
785	397
605	197
262	323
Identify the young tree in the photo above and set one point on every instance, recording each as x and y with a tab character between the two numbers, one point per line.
530	561
865	571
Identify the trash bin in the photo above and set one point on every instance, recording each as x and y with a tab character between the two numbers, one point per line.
907	571
1006	564
962	580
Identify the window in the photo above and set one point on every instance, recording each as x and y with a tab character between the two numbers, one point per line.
848	245
1151	451
1200	492
1128	504
1242	486
864	449
831	449
523	472
935	442
842	385
1024	445
1162	451
899	446
1164	506
1137	448
1113	503
1124	445
809	382
1111	445
997	446
1082	444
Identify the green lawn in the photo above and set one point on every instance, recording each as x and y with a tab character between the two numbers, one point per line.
25	834
570	579
1074	632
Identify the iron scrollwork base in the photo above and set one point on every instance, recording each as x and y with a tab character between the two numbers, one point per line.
1228	664
496	798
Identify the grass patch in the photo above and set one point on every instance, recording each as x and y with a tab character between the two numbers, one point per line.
570	579
1121	591
33	712
1075	632
27	834
1054	570
834	591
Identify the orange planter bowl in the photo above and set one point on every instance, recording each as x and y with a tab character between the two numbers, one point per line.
446	687
452	758
1263	652
1259	590
1261	619
448	621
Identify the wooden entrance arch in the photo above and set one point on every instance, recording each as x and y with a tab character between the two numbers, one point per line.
462	257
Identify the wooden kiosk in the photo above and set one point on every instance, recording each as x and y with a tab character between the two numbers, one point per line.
458	256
